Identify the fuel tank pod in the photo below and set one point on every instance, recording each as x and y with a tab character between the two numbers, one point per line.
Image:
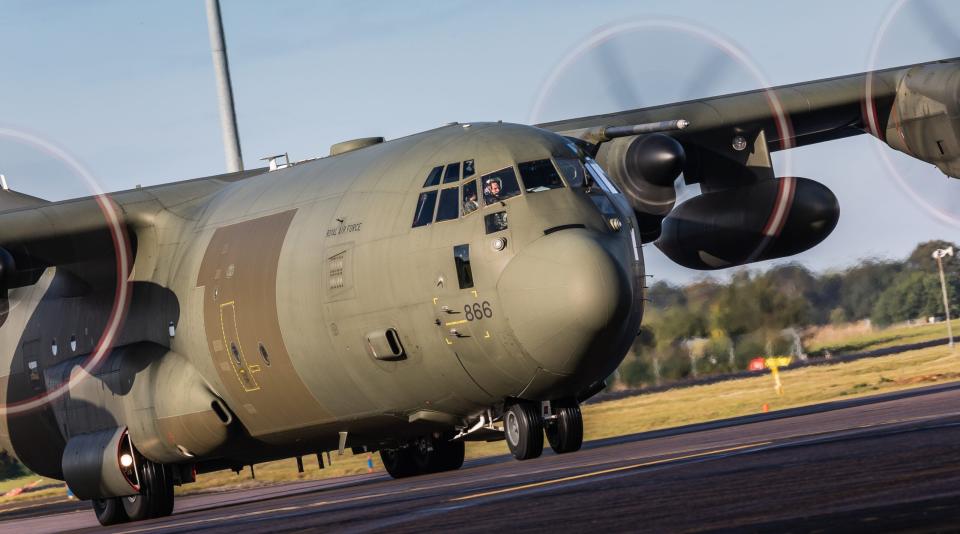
770	219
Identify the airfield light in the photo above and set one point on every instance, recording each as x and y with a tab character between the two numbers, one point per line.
938	255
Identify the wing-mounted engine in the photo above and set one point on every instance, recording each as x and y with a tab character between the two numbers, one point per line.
769	219
924	120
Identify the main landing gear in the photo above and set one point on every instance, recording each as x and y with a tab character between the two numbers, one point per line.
525	422
154	500
429	454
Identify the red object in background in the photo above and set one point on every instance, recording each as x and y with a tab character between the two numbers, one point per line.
757	364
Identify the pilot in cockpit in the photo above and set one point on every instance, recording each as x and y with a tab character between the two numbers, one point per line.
491	190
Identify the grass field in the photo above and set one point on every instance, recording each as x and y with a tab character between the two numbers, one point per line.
858	341
680	406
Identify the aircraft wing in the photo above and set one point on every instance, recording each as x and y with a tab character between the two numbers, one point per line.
724	143
75	234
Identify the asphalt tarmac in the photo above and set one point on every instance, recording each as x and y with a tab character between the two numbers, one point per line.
886	463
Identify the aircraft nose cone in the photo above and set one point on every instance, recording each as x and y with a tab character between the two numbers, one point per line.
564	295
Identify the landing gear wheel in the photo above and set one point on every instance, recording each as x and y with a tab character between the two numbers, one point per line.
399	462
109	511
424	455
156	493
448	455
523	428
565	433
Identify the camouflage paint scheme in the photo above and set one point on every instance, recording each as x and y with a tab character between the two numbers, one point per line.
261	300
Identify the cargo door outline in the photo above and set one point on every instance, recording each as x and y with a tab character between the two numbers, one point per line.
228	325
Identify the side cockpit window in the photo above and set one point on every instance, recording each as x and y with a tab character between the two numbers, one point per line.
539	175
453	173
425	205
470	200
455	199
449	207
499	186
434	177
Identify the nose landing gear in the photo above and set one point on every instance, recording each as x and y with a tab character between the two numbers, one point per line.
524	424
565	431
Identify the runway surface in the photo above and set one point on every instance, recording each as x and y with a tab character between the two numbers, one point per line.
890	462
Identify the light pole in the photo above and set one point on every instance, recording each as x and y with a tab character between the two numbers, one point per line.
938	255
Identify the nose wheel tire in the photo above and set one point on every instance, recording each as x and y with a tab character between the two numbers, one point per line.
109	511
156	493
523	429
565	433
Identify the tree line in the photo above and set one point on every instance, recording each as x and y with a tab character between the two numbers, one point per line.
713	327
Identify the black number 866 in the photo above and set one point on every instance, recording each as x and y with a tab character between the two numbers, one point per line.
477	311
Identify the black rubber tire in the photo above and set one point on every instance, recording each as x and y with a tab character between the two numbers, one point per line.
399	462
156	493
565	433
523	428
109	511
448	455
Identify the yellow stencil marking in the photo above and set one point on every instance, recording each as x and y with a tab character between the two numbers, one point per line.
486	334
435	299
242	369
606	471
448	341
451	323
474	291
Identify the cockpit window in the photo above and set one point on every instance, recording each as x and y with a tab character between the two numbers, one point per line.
453	173
539	175
448	208
601	177
470	202
572	170
425	206
499	185
434	177
468	169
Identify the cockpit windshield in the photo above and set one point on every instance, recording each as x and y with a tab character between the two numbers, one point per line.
539	175
572	170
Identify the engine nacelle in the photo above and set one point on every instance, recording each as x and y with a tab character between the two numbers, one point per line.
645	167
100	465
924	121
769	219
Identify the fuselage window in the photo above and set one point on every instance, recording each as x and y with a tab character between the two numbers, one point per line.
572	170
539	175
453	173
425	206
434	177
494	222
470	203
449	207
499	185
468	169
461	256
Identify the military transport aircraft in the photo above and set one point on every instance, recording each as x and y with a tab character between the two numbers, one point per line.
472	282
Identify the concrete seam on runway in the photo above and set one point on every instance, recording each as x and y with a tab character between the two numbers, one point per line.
608	471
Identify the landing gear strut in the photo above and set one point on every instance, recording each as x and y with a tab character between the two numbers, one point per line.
430	454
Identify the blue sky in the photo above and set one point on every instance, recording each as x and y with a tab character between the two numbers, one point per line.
128	87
